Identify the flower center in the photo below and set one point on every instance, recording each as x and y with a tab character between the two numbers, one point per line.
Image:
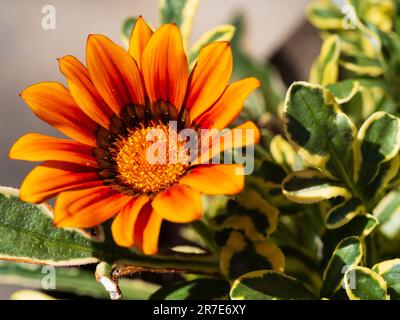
148	160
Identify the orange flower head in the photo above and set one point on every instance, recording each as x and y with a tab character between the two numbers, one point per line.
110	110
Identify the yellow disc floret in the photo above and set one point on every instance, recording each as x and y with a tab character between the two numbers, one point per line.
140	171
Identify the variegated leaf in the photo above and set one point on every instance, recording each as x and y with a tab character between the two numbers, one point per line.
362	65
284	154
250	214
343	213
324	15
364	284
390	271
180	12
378	141
309	186
344	91
269	173
322	133
325	69
348	253
387	209
241	255
269	285
387	172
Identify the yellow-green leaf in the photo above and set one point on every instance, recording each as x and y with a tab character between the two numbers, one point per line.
324	15
325	69
250	214
283	153
240	256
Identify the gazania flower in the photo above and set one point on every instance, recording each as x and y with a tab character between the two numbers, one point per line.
107	112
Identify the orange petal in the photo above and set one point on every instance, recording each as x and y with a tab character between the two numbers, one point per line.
240	136
216	179
178	203
229	106
114	73
53	177
83	91
38	147
165	67
52	102
209	78
88	207
147	230
124	223
140	36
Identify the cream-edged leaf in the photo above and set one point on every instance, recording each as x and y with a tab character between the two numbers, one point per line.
390	271
343	213
323	135
269	285
348	253
309	186
364	284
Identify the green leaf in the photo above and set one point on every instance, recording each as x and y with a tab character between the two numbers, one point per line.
348	253
343	213
323	134
198	289
126	30
28	235
269	285
325	69
180	12
72	280
364	284
241	255
390	271
345	90
309	186
220	33
378	142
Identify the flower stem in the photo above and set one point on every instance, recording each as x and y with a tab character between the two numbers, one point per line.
177	263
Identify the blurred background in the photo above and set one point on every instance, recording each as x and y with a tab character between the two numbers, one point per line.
276	31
